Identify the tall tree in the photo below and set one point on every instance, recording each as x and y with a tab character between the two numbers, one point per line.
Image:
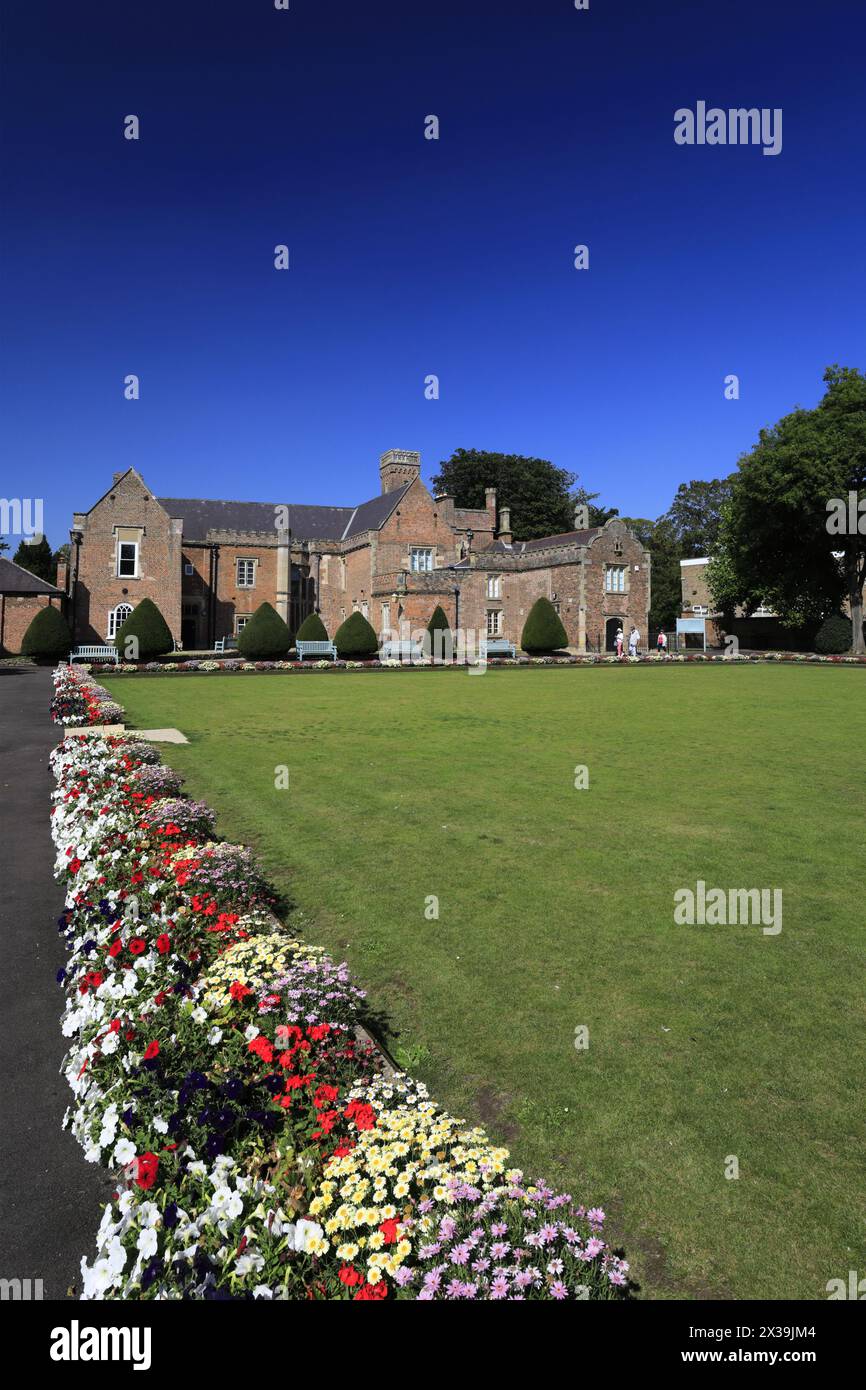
695	515
542	498
794	532
666	589
38	559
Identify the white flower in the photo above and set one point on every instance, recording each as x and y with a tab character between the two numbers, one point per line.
199	1015
147	1243
214	1036
124	1152
251	1032
262	1291
306	1234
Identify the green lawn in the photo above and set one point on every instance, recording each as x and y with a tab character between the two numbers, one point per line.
556	911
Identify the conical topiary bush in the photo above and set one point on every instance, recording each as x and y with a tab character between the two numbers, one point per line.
355	638
312	629
144	635
48	637
441	638
543	631
265	637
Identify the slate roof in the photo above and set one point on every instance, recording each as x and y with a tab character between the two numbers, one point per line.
545	542
15	580
201	516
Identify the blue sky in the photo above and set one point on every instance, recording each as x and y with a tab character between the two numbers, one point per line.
409	256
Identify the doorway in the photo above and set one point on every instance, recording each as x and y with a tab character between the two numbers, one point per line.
610	631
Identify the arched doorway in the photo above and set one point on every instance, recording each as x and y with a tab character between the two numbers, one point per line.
610	631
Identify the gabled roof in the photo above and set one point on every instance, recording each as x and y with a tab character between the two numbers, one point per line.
308	523
15	580
545	542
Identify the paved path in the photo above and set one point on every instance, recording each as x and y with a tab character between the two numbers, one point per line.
49	1196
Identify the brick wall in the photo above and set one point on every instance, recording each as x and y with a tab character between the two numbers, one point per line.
16	615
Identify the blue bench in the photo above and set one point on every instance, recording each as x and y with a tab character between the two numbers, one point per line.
105	653
497	646
226	644
402	651
316	649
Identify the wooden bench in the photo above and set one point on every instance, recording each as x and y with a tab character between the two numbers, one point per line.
226	644
402	651
316	649
94	654
498	646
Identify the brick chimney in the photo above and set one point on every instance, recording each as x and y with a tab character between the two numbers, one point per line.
505	525
397	467
490	504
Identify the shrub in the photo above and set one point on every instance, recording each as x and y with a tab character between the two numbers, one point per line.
48	637
355	637
441	646
542	631
834	635
149	628
265	636
312	629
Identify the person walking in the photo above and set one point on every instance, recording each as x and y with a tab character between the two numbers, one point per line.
619	641
662	643
633	640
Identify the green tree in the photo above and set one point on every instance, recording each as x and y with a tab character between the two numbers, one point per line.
543	631
355	638
694	516
794	535
542	498
37	559
443	645
312	629
144	635
48	637
266	637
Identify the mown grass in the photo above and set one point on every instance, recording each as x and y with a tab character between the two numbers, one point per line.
556	911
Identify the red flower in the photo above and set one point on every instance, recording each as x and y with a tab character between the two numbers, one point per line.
152	1050
239	991
146	1167
115	948
74	865
323	1095
262	1048
389	1230
350	1276
371	1292
363	1115
137	945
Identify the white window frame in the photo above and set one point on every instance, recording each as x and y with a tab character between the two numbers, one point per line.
113	626
242	583
614	579
119	561
421	559
241	621
494	586
494	622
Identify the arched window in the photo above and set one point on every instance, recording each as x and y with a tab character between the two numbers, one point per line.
117	617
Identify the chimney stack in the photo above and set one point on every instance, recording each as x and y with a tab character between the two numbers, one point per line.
490	503
398	467
505	525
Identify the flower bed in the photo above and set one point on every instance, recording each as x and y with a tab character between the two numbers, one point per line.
196	667
78	700
219	1067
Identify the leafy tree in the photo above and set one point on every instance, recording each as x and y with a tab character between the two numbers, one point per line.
783	538
543	631
37	559
148	629
542	497
834	635
312	629
3	545
695	516
355	638
48	637
266	637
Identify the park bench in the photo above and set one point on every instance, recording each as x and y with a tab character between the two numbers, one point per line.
402	651
316	649
226	644
104	653
498	646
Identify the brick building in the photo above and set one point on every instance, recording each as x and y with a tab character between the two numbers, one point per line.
21	597
209	564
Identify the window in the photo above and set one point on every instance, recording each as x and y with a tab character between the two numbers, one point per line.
365	609
117	617
494	586
188	568
420	559
700	610
240	623
494	622
614	579
246	574
127	559
386	617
